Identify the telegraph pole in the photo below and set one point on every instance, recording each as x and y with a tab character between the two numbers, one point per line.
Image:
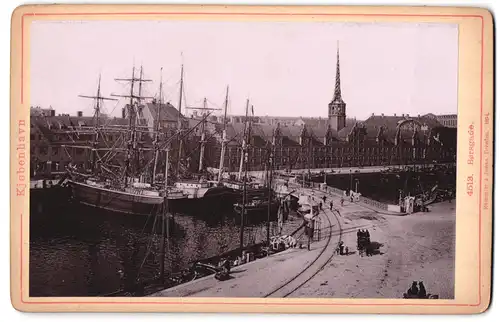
245	156
271	166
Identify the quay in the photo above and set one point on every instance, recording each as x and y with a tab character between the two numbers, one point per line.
188	160
402	254
343	170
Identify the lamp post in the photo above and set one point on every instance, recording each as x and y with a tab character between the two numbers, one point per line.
350	178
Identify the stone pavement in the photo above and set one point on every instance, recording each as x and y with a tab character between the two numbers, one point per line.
416	247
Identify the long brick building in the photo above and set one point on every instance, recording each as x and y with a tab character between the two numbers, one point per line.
297	143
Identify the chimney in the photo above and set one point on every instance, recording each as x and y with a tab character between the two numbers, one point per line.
79	113
123	112
394	114
52	113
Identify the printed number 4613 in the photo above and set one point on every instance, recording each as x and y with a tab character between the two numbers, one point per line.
470	187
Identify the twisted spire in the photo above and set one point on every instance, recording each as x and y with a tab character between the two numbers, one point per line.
337	96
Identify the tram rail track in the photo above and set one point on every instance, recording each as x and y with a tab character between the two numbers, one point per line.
309	272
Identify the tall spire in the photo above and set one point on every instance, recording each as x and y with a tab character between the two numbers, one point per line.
337	96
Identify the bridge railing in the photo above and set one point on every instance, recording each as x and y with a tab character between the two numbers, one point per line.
373	203
340	192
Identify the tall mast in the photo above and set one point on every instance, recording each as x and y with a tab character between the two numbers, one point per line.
223	144
270	178
97	109
243	143
97	103
164	222
245	156
132	143
203	134
140	85
157	128
179	121
202	147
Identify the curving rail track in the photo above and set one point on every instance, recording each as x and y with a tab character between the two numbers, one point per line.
313	268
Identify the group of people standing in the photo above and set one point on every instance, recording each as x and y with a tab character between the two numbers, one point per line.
417	291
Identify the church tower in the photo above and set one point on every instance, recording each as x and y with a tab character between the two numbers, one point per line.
336	108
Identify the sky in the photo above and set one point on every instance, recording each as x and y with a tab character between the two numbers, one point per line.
283	68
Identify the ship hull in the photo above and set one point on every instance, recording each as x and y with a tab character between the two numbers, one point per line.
115	201
201	198
257	210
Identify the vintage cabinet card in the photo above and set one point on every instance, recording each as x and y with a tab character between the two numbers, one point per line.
251	159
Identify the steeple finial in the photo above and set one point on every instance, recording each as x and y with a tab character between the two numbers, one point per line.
337	96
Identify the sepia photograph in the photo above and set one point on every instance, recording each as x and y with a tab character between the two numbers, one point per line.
197	158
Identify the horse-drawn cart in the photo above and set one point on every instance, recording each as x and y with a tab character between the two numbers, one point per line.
364	243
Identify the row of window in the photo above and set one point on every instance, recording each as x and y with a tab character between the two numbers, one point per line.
319	160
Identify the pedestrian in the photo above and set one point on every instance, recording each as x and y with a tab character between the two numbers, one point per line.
309	232
342	201
320	205
422	293
413	290
331	205
324	199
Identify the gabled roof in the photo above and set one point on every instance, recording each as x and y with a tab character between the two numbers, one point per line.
349	123
234	133
167	111
263	131
291	134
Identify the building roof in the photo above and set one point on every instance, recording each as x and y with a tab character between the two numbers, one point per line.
390	124
48	125
167	111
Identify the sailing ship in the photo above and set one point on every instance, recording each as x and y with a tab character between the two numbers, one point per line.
261	198
199	190
254	189
110	190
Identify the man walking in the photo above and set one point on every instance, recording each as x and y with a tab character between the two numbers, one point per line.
309	230
331	205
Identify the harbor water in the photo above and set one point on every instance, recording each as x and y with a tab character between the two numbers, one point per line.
79	251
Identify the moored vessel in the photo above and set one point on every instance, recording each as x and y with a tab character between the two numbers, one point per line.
106	186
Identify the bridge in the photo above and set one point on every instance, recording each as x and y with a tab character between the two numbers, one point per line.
345	170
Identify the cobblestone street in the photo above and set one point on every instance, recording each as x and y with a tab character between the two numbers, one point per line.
418	247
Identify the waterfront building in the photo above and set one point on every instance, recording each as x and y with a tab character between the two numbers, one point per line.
448	120
297	142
